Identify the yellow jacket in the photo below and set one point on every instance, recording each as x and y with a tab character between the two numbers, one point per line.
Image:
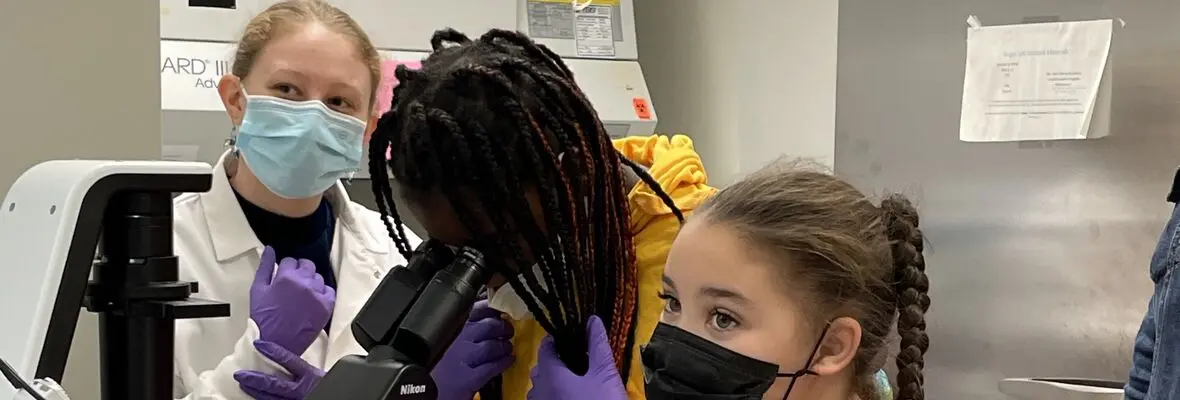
675	165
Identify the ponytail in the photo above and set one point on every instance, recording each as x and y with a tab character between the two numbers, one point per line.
911	286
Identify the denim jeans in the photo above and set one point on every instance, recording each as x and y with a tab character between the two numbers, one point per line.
1157	346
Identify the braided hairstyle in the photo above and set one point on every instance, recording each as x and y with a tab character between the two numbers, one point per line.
847	258
912	287
498	128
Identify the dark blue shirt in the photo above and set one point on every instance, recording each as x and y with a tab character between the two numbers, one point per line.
307	237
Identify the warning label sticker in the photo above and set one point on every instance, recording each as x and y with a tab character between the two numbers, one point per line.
555	19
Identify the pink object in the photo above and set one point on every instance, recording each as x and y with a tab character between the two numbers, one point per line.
385	88
388	81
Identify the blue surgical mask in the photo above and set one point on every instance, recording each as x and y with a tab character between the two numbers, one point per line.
298	149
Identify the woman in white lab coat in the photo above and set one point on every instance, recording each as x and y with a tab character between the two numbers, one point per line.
277	236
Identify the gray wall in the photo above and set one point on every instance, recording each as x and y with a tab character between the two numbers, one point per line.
728	73
1039	251
207	130
72	93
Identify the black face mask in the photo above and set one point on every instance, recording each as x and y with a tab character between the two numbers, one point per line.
681	366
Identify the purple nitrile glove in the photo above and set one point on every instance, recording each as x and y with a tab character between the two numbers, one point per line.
292	308
263	386
482	351
552	380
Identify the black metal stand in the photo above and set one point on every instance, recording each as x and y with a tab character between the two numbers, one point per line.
138	295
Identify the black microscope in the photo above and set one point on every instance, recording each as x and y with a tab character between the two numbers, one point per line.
406	325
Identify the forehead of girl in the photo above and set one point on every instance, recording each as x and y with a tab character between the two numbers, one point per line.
712	262
314	57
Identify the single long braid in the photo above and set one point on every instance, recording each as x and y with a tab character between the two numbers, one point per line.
912	287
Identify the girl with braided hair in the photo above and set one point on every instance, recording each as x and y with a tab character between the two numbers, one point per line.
493	145
785	285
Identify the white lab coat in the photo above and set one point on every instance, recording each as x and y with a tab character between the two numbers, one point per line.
218	250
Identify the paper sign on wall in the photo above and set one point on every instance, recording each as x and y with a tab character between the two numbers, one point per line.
190	72
1041	81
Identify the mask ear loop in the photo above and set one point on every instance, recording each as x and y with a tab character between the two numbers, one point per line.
807	368
235	155
232	141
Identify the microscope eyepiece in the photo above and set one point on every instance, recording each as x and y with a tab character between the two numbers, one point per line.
429	257
377	321
407	324
441	310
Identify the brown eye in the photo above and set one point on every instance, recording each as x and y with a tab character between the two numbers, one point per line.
671	304
723	321
340	104
285	89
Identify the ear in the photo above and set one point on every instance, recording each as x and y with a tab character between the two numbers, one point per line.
232	97
839	347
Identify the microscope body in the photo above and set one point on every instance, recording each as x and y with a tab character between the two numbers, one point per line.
52	221
379	375
406	334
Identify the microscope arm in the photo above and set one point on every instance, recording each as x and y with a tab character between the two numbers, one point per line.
400	368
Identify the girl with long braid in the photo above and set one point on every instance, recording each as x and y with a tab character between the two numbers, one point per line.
784	285
493	145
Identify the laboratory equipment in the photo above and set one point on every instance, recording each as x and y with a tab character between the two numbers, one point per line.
59	212
38	389
602	29
43	389
406	325
54	218
597	40
619	94
197	46
391	24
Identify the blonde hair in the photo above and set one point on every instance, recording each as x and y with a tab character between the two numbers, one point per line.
281	16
